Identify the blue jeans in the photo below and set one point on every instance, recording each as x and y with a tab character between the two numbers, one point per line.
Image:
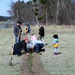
56	49
38	47
16	39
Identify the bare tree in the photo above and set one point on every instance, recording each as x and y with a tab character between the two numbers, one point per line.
57	12
34	9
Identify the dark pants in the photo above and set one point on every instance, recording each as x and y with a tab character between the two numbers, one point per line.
28	31
38	47
19	38
41	37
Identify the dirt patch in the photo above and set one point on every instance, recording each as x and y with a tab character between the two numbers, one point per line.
25	66
36	67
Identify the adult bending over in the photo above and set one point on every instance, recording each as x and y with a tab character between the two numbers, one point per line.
19	46
36	44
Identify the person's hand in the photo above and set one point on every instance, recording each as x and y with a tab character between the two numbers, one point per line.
27	53
18	36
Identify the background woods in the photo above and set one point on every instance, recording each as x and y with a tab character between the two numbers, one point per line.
45	11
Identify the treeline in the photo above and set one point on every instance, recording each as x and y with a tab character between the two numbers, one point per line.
4	18
44	11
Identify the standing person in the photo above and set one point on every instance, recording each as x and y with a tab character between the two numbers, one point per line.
41	32
20	30
17	32
55	44
26	29
29	28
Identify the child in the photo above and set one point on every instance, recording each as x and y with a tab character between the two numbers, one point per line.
33	37
26	30
29	28
55	44
41	32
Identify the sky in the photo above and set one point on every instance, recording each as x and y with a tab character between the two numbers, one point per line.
5	5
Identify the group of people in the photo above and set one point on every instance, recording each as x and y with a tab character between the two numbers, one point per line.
35	43
18	30
26	44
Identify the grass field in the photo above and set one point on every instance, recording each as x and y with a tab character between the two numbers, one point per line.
6	43
63	64
2	23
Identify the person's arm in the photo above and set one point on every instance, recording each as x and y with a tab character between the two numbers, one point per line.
25	47
16	31
54	41
20	29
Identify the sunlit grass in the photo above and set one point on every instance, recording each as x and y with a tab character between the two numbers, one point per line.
2	23
6	43
63	64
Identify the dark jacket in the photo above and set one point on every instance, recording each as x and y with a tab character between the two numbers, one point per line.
29	29
16	30
19	46
41	31
20	30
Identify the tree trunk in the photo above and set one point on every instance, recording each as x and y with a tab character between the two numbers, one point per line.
46	19
37	22
57	13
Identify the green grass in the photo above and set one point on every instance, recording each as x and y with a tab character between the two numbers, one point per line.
30	62
2	23
6	43
63	64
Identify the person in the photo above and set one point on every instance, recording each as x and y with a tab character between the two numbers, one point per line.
55	44
19	46
30	44
26	30
29	28
37	45
20	30
33	37
17	32
41	32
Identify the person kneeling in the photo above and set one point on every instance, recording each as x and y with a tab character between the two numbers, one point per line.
37	45
19	46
